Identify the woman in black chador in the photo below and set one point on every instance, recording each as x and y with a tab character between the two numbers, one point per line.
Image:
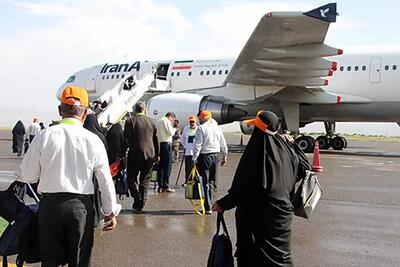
18	133
261	190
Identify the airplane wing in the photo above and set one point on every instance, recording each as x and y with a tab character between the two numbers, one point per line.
287	49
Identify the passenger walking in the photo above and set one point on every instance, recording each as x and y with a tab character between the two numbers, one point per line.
187	137
141	137
63	158
91	124
260	191
33	129
209	142
115	143
41	124
18	133
176	143
165	131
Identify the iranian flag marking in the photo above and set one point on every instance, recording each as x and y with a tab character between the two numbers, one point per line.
182	65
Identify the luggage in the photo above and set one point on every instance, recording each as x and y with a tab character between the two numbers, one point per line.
221	247
21	236
307	195
194	191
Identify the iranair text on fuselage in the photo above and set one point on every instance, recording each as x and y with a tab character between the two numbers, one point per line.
114	68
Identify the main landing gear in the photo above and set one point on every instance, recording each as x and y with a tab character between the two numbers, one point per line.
306	143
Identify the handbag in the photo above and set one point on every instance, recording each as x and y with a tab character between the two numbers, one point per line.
121	184
307	195
221	247
194	191
115	167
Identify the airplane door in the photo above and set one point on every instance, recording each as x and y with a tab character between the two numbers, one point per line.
91	82
375	70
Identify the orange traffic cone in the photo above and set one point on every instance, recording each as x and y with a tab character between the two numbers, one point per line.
316	165
241	140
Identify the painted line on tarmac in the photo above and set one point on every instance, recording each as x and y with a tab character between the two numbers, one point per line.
362	153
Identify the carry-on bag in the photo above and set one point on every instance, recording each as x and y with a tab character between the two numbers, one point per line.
21	236
221	247
194	191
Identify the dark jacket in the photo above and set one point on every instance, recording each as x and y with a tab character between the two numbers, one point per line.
141	137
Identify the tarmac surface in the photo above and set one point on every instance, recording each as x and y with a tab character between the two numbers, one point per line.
357	221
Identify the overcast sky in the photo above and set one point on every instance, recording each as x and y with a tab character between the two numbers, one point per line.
43	42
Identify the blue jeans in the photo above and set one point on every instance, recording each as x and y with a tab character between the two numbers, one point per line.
205	163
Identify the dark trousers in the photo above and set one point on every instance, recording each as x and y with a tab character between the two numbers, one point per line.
188	164
31	138
204	165
214	172
165	165
137	188
66	229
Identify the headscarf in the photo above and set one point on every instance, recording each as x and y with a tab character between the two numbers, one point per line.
19	128
92	125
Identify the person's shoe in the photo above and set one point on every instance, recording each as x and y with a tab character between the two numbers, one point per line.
183	185
168	190
208	212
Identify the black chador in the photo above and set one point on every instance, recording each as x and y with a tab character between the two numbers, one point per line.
18	133
261	190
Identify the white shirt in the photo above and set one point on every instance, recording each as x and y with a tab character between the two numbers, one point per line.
64	158
33	129
165	130
187	139
209	139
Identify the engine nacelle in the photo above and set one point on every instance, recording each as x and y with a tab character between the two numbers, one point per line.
186	104
246	129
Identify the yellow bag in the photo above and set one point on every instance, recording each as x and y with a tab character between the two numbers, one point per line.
194	191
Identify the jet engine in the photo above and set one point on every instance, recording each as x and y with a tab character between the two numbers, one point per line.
187	104
246	129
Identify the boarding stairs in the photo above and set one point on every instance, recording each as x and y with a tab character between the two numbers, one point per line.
122	97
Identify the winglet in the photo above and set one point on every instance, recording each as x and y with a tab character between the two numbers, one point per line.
325	13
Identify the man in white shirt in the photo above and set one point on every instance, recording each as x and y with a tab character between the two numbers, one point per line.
63	158
165	131
33	129
187	140
209	142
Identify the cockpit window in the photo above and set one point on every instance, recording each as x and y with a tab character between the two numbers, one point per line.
71	79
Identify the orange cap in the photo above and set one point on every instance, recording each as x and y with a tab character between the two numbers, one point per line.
192	118
205	114
75	96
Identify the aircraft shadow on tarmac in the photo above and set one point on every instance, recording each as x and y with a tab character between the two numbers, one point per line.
159	212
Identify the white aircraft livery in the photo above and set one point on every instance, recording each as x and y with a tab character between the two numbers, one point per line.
284	67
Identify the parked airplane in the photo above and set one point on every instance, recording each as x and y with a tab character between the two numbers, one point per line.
281	68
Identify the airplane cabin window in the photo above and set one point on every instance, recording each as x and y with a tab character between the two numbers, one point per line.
356	68
220	72
341	68
208	72
172	74
364	68
394	67
349	68
112	76
123	75
117	76
226	72
201	72
387	67
71	79
189	73
107	77
102	77
178	73
214	72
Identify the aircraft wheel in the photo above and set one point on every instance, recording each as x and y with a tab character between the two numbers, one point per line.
338	143
306	143
345	142
323	142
